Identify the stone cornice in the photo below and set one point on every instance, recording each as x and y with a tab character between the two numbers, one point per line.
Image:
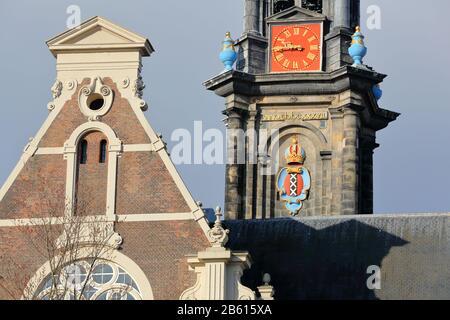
317	83
342	79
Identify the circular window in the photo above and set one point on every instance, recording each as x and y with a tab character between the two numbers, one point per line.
95	102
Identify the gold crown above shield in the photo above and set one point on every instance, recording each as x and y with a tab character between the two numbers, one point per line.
295	153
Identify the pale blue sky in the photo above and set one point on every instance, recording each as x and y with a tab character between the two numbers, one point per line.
411	171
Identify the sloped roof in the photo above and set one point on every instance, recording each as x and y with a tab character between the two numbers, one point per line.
330	257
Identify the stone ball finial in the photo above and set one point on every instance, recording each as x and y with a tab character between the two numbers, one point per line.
266	279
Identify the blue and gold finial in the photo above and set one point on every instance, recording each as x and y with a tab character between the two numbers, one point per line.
357	50
228	56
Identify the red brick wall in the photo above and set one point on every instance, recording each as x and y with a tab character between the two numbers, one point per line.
160	249
145	186
38	191
22	253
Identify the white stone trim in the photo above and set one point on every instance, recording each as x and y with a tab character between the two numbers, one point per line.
27	222
154	217
49	151
144	217
125	148
70	154
137	147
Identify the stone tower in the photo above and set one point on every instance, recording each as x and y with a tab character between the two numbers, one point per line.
295	79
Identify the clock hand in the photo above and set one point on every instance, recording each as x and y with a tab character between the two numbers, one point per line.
288	47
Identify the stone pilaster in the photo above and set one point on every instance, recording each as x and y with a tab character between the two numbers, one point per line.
251	16
337	137
342	17
251	163
234	170
350	185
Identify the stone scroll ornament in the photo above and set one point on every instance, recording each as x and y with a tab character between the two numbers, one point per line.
294	180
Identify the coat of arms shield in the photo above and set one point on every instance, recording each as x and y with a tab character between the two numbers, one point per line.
294	180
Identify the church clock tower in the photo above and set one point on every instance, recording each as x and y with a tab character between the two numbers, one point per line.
297	93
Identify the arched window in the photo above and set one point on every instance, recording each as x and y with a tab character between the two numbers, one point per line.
85	280
103	145
313	5
83	151
281	5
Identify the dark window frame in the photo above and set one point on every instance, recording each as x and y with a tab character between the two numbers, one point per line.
83	149
103	151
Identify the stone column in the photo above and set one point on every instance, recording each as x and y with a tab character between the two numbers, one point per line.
234	169
336	171
252	45
251	16
338	40
350	185
342	13
252	159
